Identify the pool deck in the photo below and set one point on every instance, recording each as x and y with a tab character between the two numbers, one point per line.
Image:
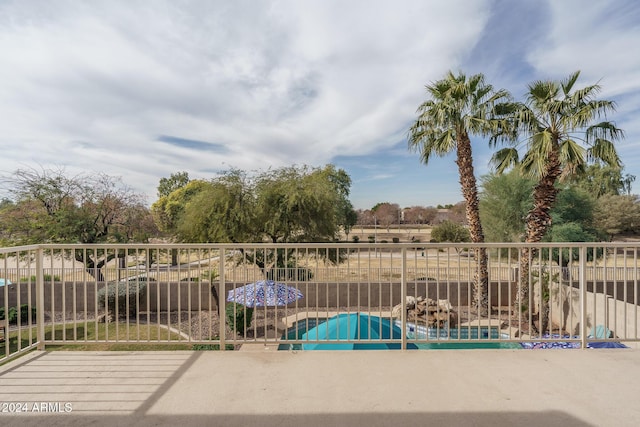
265	387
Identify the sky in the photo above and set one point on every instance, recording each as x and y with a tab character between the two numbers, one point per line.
143	89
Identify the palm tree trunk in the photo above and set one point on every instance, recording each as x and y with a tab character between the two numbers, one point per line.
470	193
538	222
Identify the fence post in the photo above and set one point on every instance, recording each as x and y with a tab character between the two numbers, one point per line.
583	296
403	293
222	297
40	298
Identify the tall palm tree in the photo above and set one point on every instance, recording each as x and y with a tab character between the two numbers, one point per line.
459	107
562	134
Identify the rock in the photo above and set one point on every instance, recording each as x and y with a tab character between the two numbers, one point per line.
444	304
411	302
396	311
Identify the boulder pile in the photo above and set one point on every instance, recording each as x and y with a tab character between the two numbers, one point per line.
426	311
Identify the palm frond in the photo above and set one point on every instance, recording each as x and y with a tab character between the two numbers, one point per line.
541	92
504	159
604	150
568	83
604	130
571	155
531	166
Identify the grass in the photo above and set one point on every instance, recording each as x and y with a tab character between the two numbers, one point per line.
149	338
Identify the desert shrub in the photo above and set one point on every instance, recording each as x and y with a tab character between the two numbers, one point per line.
47	278
301	274
24	313
238	316
214	347
142	279
210	275
13	314
449	231
135	290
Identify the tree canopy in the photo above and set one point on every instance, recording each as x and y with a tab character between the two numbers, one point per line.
563	134
290	204
50	206
617	214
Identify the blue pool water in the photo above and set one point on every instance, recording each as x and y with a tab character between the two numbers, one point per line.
445	338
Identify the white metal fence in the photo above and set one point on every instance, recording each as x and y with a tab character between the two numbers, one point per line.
176	295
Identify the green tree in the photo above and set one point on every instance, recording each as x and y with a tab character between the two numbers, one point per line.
448	231
168	210
292	204
221	211
561	135
459	107
346	216
297	205
504	202
600	180
175	181
575	205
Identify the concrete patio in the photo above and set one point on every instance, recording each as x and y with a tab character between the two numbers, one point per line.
377	388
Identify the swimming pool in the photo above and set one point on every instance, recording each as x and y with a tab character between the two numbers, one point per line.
443	338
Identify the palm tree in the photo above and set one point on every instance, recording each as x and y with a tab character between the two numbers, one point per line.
561	137
459	107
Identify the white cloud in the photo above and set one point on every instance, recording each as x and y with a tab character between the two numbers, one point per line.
600	40
93	85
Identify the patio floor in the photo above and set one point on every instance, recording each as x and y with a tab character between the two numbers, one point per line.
376	388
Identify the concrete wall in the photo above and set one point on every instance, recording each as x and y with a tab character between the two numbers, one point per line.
609	305
164	296
161	296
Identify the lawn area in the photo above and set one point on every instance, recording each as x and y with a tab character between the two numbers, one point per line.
88	337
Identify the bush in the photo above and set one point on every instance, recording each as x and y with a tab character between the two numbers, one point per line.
449	231
301	274
13	314
236	316
47	278
135	289
214	347
24	314
396	240
356	239
372	238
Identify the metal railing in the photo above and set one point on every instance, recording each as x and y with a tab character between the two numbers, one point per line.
177	295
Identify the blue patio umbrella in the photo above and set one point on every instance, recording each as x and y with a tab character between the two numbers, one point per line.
265	293
353	326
